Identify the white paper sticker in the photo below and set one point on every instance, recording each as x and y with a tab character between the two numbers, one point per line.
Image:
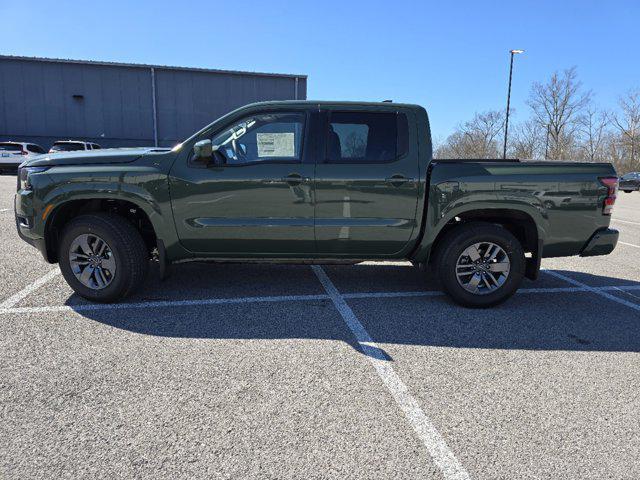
276	144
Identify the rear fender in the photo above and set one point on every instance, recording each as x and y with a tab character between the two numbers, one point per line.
437	220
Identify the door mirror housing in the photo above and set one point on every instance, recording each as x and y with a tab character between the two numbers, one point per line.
202	151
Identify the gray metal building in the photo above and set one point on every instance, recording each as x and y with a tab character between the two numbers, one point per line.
117	104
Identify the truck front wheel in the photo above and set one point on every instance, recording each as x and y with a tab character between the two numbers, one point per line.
480	264
102	257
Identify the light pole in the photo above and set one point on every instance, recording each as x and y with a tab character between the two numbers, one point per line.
506	122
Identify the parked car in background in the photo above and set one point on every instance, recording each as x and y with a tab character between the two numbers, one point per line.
12	154
72	146
630	182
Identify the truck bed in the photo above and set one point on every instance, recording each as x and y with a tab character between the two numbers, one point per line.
563	198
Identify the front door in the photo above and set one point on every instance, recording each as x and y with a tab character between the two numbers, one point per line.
254	197
367	183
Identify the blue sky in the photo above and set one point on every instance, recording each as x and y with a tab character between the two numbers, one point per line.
451	57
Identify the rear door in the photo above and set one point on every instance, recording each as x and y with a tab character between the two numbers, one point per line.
367	182
255	198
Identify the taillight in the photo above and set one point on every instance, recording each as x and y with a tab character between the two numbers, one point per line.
612	189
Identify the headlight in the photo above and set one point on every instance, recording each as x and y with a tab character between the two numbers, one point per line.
24	174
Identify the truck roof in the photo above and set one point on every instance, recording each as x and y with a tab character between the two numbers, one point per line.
333	103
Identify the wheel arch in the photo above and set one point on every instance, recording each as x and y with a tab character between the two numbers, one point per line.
64	212
521	223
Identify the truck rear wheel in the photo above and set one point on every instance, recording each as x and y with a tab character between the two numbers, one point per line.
102	257
480	264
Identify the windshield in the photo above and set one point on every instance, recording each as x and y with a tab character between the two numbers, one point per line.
10	147
66	147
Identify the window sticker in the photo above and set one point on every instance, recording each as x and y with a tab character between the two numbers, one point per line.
276	144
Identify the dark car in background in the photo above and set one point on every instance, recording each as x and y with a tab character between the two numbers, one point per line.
630	182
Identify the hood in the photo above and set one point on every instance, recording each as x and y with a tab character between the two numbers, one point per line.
90	157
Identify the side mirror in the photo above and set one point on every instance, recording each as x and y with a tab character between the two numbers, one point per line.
202	150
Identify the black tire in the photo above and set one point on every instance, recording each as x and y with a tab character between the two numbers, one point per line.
457	241
627	191
128	248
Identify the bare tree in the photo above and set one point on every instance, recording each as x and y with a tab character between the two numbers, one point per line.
627	122
592	127
557	105
527	140
477	138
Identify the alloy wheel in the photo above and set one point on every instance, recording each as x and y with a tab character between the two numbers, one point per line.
482	268
92	261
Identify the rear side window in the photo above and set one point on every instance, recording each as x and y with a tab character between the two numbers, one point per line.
362	137
67	147
10	147
95	146
403	135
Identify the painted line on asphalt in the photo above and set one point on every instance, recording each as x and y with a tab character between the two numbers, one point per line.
15	298
595	290
427	293
161	304
280	298
443	457
627	293
629	244
624	221
4	210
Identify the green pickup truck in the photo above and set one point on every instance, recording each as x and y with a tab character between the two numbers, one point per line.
311	182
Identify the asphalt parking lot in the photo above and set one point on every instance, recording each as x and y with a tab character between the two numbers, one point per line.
366	371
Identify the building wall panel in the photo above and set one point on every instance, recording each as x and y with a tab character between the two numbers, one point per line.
114	103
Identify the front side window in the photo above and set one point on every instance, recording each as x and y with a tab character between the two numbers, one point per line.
362	137
259	138
35	148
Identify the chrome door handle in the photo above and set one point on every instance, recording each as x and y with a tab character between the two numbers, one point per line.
398	180
295	179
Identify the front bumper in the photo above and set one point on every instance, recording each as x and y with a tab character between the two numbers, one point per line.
39	243
602	242
28	229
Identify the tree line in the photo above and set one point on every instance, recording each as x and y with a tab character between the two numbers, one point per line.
564	124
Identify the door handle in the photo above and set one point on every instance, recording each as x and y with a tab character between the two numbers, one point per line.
398	180
295	179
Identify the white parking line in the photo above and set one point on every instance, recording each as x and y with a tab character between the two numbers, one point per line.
12	300
598	291
627	293
444	458
161	304
280	298
4	210
629	244
624	221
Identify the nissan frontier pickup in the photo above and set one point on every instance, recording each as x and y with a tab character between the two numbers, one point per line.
311	182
